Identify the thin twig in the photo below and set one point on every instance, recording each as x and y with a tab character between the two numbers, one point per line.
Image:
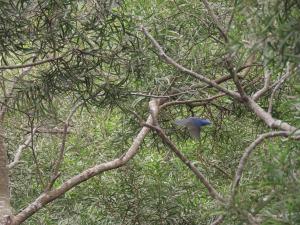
21	148
160	96
45	130
39	177
215	20
10	67
218	220
205	100
265	88
230	20
55	171
10	92
240	69
277	86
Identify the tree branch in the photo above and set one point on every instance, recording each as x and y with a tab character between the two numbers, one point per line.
10	67
246	155
205	100
277	86
215	20
21	148
200	77
267	118
55	171
45	130
211	190
49	196
219	220
265	88
160	96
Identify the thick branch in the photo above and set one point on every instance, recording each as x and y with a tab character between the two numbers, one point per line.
5	207
267	118
49	196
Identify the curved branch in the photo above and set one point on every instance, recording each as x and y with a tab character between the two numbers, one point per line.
265	88
49	196
248	151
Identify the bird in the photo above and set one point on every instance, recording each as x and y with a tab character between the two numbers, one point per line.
193	124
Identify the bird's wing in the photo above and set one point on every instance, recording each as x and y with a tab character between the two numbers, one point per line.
181	122
194	131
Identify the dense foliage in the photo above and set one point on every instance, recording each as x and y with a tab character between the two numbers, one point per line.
94	53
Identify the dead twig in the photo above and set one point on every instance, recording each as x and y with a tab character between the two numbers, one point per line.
21	148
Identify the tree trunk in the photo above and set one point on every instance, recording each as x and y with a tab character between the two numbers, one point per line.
5	208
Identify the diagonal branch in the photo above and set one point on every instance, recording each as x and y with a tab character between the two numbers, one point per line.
218	220
21	148
215	20
233	73
265	88
277	86
200	77
55	171
211	190
267	118
49	196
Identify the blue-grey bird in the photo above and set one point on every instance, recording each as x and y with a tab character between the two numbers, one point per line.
193	124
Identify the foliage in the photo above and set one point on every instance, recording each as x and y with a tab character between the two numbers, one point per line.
100	57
